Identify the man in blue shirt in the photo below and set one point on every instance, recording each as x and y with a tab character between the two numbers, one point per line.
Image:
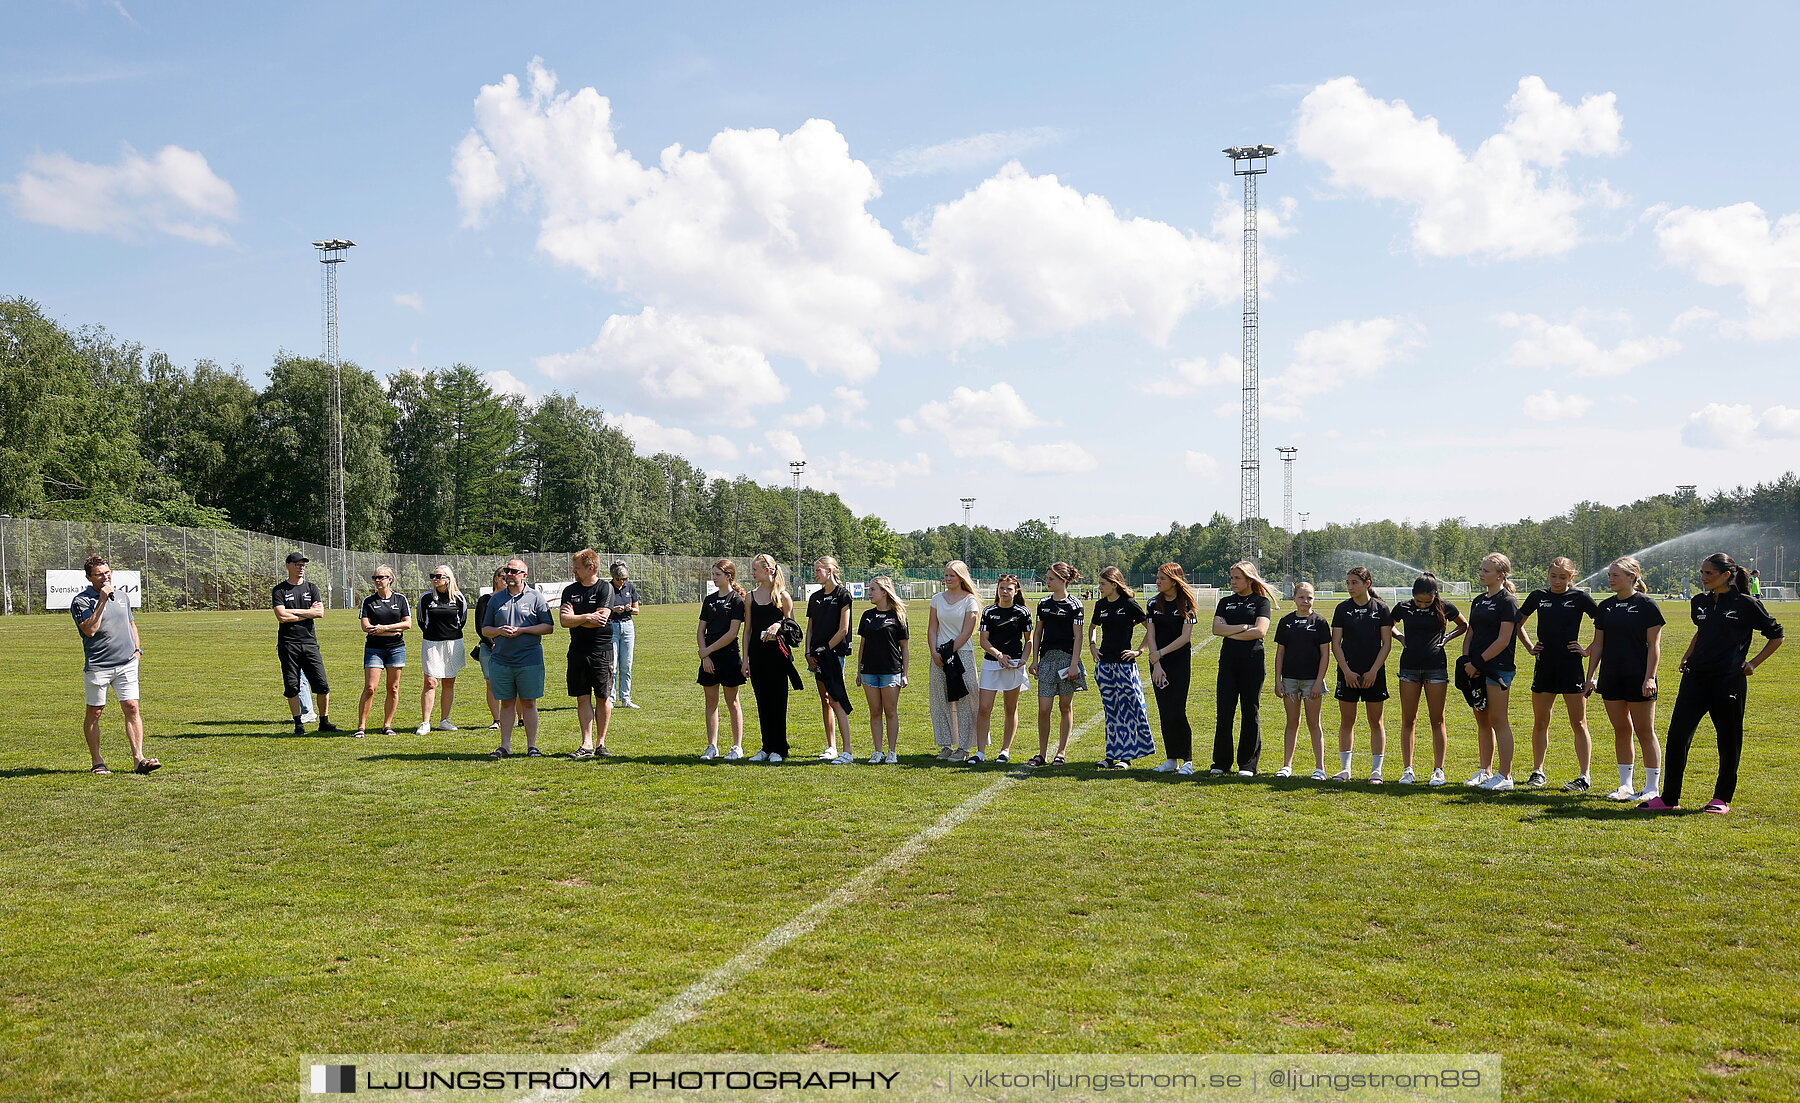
109	642
517	619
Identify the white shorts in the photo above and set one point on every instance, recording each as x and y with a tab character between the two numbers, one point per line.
999	679
443	658
122	679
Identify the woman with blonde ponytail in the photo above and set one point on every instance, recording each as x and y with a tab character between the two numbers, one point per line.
1627	649
765	662
1559	608
1488	654
1241	620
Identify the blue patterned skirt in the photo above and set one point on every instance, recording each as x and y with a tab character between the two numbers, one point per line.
1128	733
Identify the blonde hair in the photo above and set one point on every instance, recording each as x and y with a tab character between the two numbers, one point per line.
729	569
767	561
829	563
586	559
1504	566
1632	567
388	567
883	585
455	591
961	570
1564	564
1257	585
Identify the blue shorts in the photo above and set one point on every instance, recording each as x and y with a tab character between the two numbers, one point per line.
879	681
507	682
390	657
1424	674
1501	678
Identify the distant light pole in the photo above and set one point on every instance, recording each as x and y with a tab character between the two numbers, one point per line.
5	583
1054	518
1302	575
968	504
797	466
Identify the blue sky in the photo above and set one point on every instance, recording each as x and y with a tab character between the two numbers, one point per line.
1512	261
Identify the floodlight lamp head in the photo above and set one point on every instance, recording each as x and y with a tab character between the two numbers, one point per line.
334	244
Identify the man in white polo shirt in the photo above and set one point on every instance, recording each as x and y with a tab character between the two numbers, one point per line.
109	640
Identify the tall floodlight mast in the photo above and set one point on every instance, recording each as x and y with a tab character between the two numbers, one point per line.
1288	452
331	254
1250	162
968	504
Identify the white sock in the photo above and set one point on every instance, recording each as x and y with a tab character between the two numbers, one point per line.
1344	761
1653	778
1625	769
1377	760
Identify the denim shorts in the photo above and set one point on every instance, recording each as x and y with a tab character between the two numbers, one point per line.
1297	687
879	681
1501	678
1424	674
391	657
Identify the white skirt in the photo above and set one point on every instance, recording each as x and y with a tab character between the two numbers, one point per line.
999	679
443	658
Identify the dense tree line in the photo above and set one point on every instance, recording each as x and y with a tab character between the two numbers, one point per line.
94	428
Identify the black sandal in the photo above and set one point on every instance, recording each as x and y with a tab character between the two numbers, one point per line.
499	752
1035	760
534	753
387	731
99	768
1057	761
146	766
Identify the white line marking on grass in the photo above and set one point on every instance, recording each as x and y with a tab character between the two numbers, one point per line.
687	1004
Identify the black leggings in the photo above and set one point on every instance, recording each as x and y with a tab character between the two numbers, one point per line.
1171	705
1722	697
769	681
1240	685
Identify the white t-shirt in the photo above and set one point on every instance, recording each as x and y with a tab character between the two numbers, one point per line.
951	615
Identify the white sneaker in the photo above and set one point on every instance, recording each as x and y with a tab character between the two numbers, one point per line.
1319	774
633	705
1623	792
447	726
1341	775
1479	779
1499	783
1186	768
424	728
711	752
1246	773
1375	777
734	754
876	758
1647	794
760	756
309	717
774	758
844	759
828	754
891	758
1168	767
1406	776
1214	773
1285	771
1437	779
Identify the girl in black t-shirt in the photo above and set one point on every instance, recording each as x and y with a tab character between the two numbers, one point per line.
1005	658
721	660
1241	620
767	663
1488	654
827	645
1173	613
1060	677
1559	608
1423	627
1302	656
1627	649
881	667
1362	634
1115	620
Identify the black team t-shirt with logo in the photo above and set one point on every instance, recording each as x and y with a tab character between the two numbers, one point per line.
1007	627
1625	625
824	612
881	632
1424	647
1236	609
1362	625
1301	636
717	612
288	595
588	640
386	610
1167	619
1486	614
1061	619
624	593
442	616
1723	624
1116	619
1559	618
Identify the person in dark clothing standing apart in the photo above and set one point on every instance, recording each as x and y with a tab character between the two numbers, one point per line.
1559	608
1488	654
110	651
765	661
1302	656
297	604
1241	620
1715	675
1362	634
1173	613
1627	649
624	632
386	615
443	612
587	605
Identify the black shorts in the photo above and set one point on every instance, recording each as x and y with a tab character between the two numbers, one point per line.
728	669
1376	692
1564	672
591	672
1629	687
301	657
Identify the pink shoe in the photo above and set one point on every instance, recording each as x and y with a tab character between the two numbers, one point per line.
1657	804
1717	807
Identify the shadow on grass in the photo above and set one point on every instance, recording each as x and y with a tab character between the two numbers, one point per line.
284	723
280	731
35	771
431	756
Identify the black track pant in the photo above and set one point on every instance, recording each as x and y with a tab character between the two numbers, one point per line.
1171	705
769	681
1240	686
1720	696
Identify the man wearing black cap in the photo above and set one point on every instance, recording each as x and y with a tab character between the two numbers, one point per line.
297	605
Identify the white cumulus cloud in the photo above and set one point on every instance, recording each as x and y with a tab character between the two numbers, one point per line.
884	474
505	382
974	151
1188	376
412	300
1721	426
666	362
1508	199
985	425
649	437
1345	352
785	444
1202	465
1737	246
1547	405
1545	344
174	192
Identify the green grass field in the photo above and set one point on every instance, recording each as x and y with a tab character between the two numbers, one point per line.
266	896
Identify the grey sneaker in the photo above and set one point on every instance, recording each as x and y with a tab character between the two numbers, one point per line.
943	754
1579	785
1537	780
959	755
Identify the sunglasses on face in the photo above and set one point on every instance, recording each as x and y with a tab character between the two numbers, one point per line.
512	570
439	577
381	578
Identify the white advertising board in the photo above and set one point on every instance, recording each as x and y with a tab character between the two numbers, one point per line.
62	586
